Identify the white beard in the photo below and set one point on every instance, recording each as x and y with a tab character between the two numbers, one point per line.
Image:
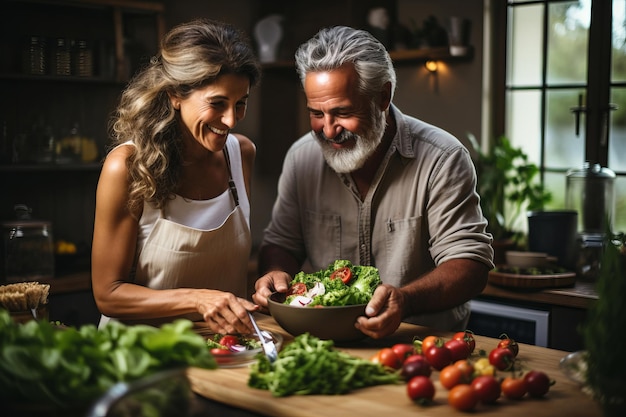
348	160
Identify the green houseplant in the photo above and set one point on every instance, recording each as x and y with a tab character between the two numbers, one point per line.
508	187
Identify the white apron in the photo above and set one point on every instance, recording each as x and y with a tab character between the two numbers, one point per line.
178	256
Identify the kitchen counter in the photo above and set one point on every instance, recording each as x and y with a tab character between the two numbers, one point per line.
581	295
229	387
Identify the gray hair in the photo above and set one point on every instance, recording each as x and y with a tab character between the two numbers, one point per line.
333	47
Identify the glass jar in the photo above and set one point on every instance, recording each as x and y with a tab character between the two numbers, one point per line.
61	57
28	250
82	59
35	56
590	192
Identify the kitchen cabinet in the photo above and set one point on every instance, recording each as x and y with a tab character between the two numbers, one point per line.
64	65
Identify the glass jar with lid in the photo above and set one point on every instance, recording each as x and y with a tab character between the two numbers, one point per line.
28	248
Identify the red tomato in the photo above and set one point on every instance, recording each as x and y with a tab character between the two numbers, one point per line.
220	352
513	388
345	274
420	389
387	357
537	383
438	357
463	397
451	376
502	359
487	388
415	365
509	343
458	349
298	288
403	350
467	337
229	340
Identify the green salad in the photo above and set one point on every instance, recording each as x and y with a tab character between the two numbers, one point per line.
341	284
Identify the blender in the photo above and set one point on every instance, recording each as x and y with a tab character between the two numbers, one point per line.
590	191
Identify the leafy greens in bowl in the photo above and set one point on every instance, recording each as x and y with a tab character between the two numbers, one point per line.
326	303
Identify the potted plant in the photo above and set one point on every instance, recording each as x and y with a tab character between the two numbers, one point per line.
508	187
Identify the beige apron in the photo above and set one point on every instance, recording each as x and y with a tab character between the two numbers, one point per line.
178	256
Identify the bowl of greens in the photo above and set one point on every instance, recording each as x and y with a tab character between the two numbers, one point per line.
326	303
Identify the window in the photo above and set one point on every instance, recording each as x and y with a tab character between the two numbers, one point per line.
564	95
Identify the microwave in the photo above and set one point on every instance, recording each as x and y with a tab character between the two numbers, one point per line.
521	323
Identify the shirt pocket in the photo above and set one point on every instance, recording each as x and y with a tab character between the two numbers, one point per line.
404	250
322	238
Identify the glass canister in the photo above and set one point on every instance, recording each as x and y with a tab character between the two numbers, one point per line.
28	250
590	191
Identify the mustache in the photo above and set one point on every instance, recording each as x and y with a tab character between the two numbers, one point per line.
342	137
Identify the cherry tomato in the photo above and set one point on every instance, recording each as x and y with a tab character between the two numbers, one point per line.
430	341
487	388
451	376
415	365
466	367
403	350
513	388
458	349
502	359
229	340
420	389
345	274
509	343
298	288
467	337
483	367
537	383
387	357
220	352
463	397
438	357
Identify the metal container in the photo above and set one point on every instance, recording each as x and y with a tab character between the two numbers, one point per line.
28	249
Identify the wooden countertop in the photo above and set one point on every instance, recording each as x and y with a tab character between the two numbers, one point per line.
581	295
229	386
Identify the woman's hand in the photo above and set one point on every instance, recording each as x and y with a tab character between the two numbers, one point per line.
273	281
225	313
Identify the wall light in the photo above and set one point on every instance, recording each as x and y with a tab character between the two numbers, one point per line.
431	66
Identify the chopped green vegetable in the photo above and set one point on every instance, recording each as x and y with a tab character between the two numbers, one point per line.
358	290
70	367
310	366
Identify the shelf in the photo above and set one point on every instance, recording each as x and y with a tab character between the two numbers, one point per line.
58	79
407	56
50	167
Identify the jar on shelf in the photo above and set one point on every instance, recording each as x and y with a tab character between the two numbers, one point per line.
35	56
82	59
61	57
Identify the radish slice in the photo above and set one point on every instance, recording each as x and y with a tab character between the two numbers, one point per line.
300	301
318	289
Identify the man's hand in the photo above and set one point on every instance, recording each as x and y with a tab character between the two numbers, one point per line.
384	312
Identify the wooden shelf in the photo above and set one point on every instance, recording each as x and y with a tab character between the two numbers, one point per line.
46	167
407	56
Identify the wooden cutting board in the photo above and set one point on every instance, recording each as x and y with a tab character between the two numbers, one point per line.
532	281
230	386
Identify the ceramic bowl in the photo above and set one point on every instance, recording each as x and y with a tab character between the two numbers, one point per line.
327	323
522	259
